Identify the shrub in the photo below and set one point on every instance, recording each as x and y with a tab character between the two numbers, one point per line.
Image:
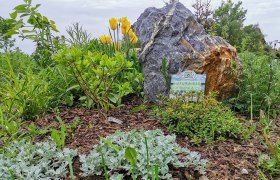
60	81
24	160
203	121
28	90
105	80
25	93
10	127
162	151
261	79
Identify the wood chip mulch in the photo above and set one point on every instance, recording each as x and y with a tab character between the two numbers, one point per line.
228	160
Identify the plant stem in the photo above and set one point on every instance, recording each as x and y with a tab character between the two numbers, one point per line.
104	165
252	107
70	168
147	152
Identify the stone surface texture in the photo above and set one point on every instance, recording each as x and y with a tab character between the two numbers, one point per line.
172	33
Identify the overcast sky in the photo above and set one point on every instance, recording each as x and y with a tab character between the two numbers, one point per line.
94	14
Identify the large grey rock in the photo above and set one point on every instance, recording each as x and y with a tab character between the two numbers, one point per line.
172	33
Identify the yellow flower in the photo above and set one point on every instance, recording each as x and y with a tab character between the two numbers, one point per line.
113	23
124	30
131	34
123	19
134	39
103	39
108	39
125	25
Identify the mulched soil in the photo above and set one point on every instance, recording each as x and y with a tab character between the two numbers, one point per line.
228	160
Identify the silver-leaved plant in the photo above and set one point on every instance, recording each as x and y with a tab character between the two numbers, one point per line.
163	151
24	160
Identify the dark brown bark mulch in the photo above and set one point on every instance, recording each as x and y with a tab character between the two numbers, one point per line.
232	159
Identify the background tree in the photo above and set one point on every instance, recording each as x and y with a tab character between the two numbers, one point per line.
229	19
204	14
252	39
6	42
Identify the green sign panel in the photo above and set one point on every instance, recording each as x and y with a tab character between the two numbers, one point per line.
187	81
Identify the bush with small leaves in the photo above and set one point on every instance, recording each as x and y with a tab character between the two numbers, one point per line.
203	121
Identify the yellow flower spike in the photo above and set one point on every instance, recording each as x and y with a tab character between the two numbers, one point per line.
113	23
103	39
108	39
134	40
125	30
123	19
131	34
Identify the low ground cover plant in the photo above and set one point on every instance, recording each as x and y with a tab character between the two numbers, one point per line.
24	160
159	150
202	120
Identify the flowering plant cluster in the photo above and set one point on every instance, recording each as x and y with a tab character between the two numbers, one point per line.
122	25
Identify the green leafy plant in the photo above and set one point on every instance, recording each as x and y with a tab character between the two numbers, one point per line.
163	151
204	120
24	160
261	80
18	89
6	42
165	73
21	78
78	36
9	127
59	136
131	156
269	162
105	80
29	23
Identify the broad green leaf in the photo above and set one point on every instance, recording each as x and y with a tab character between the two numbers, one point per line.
113	98
10	33
18	25
10	21
137	109
73	87
23	15
53	26
31	20
14	15
27	31
131	155
83	98
21	8
31	36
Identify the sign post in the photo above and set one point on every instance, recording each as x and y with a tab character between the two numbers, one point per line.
187	81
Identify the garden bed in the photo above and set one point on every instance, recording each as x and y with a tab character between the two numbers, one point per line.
231	159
